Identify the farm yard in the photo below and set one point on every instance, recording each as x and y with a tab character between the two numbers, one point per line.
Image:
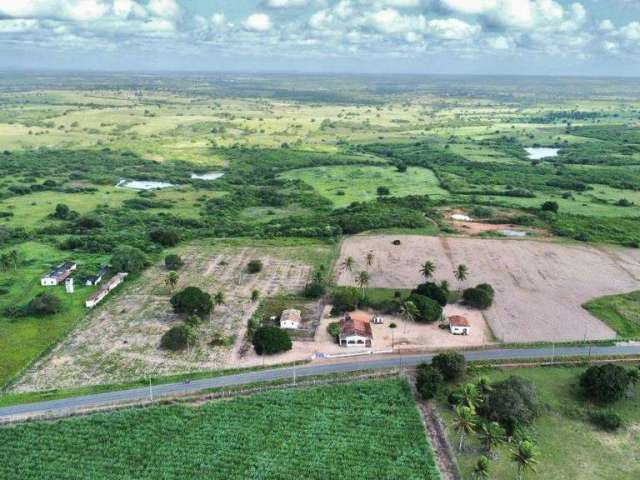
540	285
368	429
120	340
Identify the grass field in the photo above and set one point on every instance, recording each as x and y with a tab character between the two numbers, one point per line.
348	184
570	448
620	312
368	429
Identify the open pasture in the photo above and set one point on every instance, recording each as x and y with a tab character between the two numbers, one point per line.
540	286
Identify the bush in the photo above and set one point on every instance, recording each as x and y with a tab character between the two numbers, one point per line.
550	207
44	304
429	380
173	262
607	420
192	301
428	309
128	259
433	291
512	403
178	338
333	329
451	365
61	212
345	300
165	236
383	191
480	297
254	266
314	290
605	383
268	340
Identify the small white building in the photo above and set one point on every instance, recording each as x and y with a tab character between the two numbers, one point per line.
290	318
104	290
58	275
355	331
459	325
97	278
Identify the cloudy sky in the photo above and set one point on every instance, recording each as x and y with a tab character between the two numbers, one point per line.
586	37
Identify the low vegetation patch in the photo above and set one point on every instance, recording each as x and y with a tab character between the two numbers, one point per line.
620	312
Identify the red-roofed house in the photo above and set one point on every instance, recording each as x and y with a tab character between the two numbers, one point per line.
355	330
458	325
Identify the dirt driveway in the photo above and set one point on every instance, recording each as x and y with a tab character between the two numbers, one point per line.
540	286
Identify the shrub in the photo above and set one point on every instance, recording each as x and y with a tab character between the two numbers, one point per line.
605	383
192	301
61	212
333	329
550	207
480	297
428	309
512	403
433	291
383	191
173	262
344	300
607	420
128	259
254	266
268	340
178	338
44	304
429	380
166	237
314	290
451	365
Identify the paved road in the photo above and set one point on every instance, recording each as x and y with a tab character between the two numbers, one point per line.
352	365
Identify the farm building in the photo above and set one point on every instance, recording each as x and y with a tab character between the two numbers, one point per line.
355	330
58	275
97	278
104	290
290	318
459	325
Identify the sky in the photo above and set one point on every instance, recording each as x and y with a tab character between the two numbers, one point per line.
528	37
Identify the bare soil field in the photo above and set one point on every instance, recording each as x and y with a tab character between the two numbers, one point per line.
120	339
540	286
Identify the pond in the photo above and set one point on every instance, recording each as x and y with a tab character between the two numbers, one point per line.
207	176
513	233
461	218
538	153
143	184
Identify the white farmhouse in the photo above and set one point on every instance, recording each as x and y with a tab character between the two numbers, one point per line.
58	275
290	318
355	330
458	325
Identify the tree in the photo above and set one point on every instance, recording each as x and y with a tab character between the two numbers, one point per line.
61	212
461	273
255	295
369	258
433	291
178	338
550	207
254	266
348	264
452	365
333	329
525	457
429	381
491	436
363	281
393	327
512	402
480	297
470	395
166	237
383	191
605	383
408	311
192	301
173	261
172	280
268	340
428	309
481	469
128	259
464	423
427	270
218	298
44	304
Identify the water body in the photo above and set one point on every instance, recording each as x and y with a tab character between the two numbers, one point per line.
513	233
538	153
461	218
143	184
207	176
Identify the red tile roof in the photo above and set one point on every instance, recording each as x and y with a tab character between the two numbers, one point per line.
458	321
356	324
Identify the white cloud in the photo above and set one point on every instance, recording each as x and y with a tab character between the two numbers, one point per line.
630	32
606	25
128	9
164	8
258	22
286	3
470	7
79	10
452	29
19	25
390	20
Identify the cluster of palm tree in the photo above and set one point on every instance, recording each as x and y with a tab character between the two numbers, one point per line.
362	277
428	270
491	434
8	260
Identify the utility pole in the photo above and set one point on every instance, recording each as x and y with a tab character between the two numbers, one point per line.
294	373
150	389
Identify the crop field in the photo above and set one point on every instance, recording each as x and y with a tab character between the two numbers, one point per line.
119	340
540	286
363	430
569	446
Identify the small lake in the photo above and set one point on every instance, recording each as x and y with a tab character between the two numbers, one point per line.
538	153
143	184
461	218
207	176
513	233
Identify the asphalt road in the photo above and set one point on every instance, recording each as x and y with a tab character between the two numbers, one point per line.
352	365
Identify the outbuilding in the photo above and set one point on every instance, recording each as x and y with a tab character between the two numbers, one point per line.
459	325
355	330
58	275
290	318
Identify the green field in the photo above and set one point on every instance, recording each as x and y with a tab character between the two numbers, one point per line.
569	446
367	429
345	185
620	312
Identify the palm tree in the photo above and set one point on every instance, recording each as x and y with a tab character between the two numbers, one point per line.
369	258
481	469
172	280
218	298
363	280
464	423
483	385
408	311
427	269
317	276
470	396
461	273
348	264
491	435
525	457
393	327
